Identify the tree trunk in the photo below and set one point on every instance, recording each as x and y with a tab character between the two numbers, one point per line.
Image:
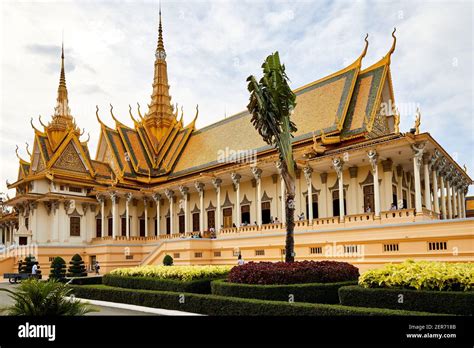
289	212
290	227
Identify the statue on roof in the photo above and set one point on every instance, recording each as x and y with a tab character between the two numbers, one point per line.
417	121
396	121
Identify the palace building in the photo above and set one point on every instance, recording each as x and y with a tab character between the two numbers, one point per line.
366	192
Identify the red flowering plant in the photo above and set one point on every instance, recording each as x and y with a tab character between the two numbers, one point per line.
293	273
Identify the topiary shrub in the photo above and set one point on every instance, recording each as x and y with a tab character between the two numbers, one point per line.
293	272
76	267
168	260
58	268
26	265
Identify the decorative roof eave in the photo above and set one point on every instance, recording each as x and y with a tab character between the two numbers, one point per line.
71	137
377	102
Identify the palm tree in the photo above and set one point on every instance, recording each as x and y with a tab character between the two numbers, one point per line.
44	298
271	104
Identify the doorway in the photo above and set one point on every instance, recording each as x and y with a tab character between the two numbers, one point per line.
245	214
227	212
368	198
266	213
315	206
335	203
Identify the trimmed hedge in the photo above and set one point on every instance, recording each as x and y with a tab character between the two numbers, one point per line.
421	275
447	302
302	272
224	306
200	286
311	292
85	280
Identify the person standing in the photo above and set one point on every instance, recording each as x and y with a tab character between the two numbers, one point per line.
240	260
97	267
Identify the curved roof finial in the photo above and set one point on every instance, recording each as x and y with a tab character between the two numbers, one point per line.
28	148
112	113
364	52
16	152
130	112
392	49
139	113
88	137
32	125
41	122
97	115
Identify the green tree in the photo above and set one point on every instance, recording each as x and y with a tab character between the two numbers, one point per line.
58	268
76	267
271	104
168	260
39	298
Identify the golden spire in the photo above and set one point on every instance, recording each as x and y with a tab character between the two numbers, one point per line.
62	107
159	116
62	120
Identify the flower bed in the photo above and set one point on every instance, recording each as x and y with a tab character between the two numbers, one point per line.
224	306
309	292
421	275
184	273
293	273
447	302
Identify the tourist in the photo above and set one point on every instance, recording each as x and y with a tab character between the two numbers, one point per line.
276	221
301	216
97	267
368	209
34	269
240	260
233	224
393	207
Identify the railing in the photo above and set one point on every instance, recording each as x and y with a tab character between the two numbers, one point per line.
386	217
401	214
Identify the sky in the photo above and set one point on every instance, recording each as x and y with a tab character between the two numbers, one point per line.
212	46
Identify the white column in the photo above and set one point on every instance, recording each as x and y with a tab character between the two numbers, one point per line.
444	213
114	199
145	210
200	189
217	185
449	199
338	166
373	159
458	202
455	200
308	174
236	181
426	169
157	199
169	194
257	173
418	150
434	176
128	199
184	192
463	203
101	200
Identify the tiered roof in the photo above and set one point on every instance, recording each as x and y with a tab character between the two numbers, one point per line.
342	107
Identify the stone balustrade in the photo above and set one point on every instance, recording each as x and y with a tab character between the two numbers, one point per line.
386	217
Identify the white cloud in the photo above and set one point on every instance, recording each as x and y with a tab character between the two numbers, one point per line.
213	46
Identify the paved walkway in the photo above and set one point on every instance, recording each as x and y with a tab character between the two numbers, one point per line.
5	301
